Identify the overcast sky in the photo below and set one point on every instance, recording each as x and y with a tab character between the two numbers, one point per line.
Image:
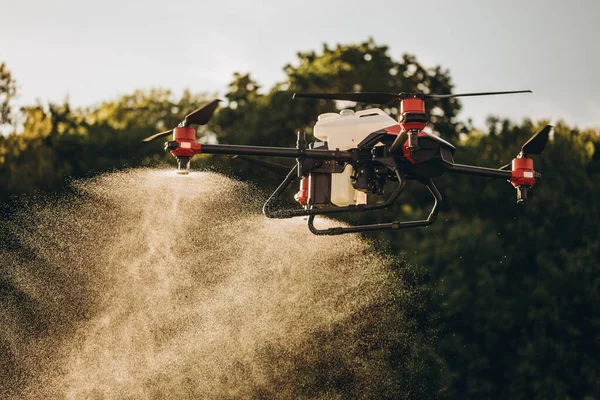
94	51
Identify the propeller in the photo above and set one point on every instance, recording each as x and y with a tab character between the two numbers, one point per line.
384	98
157	135
535	145
201	116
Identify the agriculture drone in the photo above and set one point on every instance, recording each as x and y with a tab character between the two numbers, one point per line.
356	153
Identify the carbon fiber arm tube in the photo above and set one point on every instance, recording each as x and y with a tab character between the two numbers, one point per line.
340	155
478	171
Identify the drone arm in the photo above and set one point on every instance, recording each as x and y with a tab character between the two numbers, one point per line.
478	171
339	155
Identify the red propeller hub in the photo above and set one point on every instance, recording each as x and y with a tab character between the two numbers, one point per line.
412	105
412	114
522	172
186	140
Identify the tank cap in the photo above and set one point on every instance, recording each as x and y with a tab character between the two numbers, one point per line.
327	116
346	112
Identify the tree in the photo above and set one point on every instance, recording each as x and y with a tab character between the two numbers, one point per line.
365	66
255	116
57	142
8	90
517	305
519	284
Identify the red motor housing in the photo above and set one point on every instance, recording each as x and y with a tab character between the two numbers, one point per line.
186	139
412	114
522	173
522	177
187	147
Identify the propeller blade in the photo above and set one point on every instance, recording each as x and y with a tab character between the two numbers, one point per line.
384	98
446	96
363	97
202	115
156	136
506	167
538	142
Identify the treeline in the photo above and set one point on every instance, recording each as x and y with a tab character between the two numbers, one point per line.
516	300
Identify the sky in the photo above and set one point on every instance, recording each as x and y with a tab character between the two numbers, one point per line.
93	51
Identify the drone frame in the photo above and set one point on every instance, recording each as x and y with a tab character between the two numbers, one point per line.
305	165
388	154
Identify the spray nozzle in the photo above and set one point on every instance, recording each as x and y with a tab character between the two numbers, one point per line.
183	165
521	194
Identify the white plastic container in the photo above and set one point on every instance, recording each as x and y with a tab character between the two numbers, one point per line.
342	192
347	129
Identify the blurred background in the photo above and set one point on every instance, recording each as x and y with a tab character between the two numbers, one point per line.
510	299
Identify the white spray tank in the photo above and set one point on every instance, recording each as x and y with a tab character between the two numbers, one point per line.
344	131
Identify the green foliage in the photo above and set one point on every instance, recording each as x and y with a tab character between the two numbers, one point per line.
519	316
518	285
368	67
58	143
515	289
8	89
251	116
255	116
